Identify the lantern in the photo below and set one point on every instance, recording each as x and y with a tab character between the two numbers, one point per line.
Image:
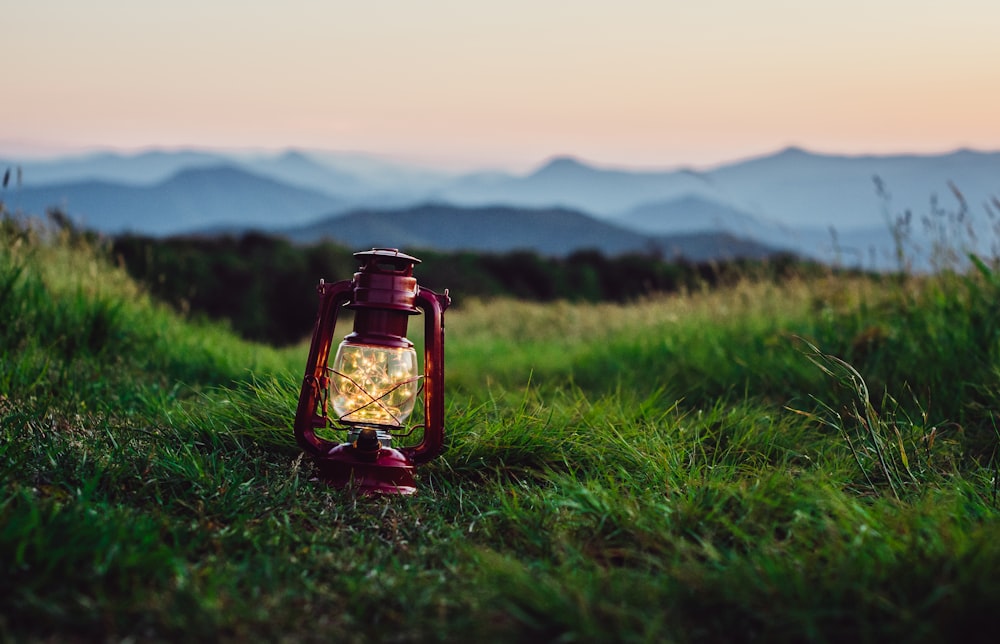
372	385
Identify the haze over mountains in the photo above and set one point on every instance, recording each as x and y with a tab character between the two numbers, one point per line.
824	206
549	231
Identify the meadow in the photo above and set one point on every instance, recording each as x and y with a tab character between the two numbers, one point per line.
810	459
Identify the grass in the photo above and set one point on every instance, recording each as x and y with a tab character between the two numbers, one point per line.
814	461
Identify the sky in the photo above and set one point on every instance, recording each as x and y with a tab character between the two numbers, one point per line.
467	84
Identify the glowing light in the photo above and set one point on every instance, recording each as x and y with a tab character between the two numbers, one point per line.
374	385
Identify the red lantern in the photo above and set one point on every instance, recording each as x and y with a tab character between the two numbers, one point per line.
372	385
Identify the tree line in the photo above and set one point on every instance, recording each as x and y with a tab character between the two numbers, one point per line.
266	285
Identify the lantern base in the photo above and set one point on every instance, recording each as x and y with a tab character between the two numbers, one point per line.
390	472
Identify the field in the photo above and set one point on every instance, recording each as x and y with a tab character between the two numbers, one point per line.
809	460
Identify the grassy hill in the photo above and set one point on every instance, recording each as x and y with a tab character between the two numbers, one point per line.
810	461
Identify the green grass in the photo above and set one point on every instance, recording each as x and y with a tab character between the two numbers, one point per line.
814	461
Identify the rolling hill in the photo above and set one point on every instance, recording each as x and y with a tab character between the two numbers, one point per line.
548	231
190	199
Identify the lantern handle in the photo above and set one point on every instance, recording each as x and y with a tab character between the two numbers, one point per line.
432	444
331	298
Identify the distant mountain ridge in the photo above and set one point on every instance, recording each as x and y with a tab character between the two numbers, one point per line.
144	168
552	231
190	199
568	183
793	187
818	205
549	231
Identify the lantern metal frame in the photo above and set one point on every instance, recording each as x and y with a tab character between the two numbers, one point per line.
383	294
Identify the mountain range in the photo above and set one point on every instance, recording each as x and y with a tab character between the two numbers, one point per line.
549	231
190	199
831	207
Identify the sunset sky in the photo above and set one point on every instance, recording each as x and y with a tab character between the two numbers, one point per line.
503	84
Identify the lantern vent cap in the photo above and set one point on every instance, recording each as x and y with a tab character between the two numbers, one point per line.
381	257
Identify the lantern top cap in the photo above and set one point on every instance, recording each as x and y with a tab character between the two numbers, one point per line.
390	256
388	253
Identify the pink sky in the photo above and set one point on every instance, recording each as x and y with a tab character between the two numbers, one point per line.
466	84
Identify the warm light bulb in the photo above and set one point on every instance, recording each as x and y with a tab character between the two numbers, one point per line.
374	385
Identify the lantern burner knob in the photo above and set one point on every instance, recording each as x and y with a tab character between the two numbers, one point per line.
368	443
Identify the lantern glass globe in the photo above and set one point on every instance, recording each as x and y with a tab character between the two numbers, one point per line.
374	385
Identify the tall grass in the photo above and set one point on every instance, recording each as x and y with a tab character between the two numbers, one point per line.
813	461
